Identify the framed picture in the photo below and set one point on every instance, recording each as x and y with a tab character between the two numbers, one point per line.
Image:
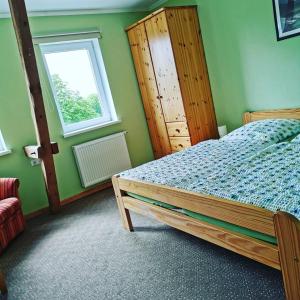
287	18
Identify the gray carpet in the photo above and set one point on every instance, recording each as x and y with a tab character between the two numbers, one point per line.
83	253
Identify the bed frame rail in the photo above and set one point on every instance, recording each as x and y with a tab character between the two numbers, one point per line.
254	249
244	215
293	113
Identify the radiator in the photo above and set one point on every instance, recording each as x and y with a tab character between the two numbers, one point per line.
98	160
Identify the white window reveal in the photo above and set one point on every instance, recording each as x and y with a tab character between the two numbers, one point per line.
79	84
3	148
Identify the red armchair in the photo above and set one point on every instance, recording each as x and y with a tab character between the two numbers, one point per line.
11	217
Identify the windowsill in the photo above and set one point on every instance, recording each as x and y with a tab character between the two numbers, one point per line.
91	128
5	152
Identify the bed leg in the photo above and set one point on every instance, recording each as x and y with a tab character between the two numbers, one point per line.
124	212
287	229
3	287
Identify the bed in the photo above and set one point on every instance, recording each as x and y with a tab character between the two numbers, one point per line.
271	237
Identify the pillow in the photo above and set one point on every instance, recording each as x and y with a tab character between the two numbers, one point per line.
275	130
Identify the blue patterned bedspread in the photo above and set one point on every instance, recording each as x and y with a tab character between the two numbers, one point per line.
255	172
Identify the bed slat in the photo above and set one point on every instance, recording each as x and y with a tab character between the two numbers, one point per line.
252	248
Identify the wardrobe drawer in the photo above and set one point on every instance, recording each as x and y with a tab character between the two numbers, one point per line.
177	129
179	143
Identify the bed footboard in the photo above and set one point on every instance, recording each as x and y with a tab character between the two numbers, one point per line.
124	212
287	229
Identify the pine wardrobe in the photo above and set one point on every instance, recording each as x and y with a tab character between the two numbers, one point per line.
172	74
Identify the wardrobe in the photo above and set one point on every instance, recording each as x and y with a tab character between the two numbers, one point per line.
172	74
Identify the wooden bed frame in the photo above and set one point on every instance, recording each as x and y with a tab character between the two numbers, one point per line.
283	226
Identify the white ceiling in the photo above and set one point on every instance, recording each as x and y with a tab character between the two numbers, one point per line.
61	7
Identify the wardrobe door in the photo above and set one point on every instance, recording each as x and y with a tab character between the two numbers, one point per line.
191	66
164	68
148	87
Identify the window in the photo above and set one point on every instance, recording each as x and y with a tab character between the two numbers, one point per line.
79	84
3	148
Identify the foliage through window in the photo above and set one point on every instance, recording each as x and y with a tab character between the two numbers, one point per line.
79	84
74	107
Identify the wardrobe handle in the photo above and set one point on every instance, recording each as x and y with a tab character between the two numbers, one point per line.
159	97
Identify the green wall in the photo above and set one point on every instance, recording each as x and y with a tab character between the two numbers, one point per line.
248	68
15	117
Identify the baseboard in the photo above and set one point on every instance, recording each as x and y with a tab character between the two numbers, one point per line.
37	213
98	188
71	199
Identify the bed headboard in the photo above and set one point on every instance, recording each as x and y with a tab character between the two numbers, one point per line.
271	114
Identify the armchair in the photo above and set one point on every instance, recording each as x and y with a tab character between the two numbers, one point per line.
12	221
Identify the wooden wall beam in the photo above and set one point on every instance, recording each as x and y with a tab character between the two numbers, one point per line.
24	38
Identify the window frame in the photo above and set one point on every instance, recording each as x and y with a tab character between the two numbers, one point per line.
3	148
101	81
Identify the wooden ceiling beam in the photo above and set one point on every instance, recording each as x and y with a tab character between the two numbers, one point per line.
24	38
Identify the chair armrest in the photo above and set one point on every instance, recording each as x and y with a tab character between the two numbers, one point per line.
8	187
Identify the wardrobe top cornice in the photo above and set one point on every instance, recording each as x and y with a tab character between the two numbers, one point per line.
155	13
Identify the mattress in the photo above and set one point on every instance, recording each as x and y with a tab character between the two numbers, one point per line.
262	174
209	220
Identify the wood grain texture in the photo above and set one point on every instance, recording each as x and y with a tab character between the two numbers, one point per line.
149	91
172	55
155	13
180	143
178	129
124	212
271	114
142	21
287	230
248	216
246	118
185	36
24	39
165	68
246	246
3	286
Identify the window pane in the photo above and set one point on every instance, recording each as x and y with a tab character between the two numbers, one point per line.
2	143
75	86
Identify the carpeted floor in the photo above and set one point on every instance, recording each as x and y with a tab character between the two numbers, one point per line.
83	253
